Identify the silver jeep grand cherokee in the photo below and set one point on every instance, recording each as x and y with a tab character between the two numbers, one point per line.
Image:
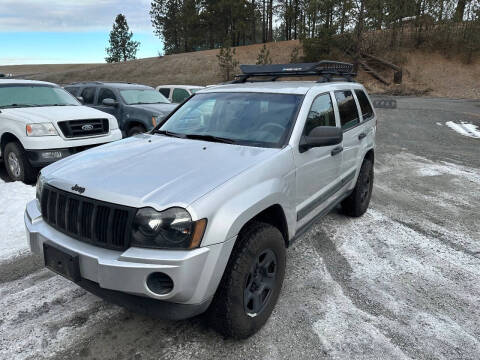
197	214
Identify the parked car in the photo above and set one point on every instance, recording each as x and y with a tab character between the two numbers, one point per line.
138	108
178	93
41	123
198	213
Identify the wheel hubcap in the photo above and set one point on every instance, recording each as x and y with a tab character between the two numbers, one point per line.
260	283
14	164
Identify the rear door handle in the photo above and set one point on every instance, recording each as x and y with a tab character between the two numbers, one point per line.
361	136
337	150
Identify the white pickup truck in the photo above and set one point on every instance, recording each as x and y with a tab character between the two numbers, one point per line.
40	123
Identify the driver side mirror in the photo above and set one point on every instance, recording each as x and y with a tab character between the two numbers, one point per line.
321	136
80	98
109	102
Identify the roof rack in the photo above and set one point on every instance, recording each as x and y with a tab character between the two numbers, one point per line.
86	82
327	70
103	82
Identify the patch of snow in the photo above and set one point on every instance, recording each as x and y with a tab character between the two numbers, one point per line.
447	168
406	164
43	314
14	197
402	285
464	129
439	124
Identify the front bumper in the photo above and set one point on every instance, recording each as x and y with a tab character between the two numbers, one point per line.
195	273
40	155
41	158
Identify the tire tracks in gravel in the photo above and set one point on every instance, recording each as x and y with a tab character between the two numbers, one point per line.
341	272
19	266
406	293
42	314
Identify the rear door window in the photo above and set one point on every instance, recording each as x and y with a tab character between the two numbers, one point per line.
367	111
179	95
88	95
105	94
347	108
165	92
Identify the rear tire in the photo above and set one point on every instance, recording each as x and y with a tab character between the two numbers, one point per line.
251	283
134	130
17	165
356	204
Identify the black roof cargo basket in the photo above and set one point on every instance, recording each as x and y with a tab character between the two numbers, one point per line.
327	70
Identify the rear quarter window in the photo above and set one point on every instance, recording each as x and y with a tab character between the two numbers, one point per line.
367	111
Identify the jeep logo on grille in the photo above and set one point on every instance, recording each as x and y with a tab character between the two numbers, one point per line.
87	127
79	189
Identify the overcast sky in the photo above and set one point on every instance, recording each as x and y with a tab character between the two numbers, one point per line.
65	31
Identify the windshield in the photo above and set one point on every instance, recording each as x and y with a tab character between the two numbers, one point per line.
143	96
256	119
34	95
193	91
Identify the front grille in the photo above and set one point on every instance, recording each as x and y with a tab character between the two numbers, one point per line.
95	222
81	128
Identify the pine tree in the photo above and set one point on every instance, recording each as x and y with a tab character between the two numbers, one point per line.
263	57
226	60
122	47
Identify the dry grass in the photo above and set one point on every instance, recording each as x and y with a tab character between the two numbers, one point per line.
432	74
424	73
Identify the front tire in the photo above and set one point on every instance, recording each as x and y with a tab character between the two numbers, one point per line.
356	204
17	165
134	130
251	283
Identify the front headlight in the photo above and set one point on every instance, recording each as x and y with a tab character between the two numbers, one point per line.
40	183
42	129
169	229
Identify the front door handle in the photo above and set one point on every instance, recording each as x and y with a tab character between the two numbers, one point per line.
337	150
361	136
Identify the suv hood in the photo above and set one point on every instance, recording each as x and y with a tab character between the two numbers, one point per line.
54	113
157	108
153	170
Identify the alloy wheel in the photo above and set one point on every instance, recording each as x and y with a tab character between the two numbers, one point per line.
260	283
14	164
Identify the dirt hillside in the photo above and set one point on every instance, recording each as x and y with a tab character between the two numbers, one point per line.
424	74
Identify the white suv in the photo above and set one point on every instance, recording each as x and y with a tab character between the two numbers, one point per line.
40	123
198	213
178	93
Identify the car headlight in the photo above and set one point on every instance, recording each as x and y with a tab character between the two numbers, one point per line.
41	129
39	187
169	229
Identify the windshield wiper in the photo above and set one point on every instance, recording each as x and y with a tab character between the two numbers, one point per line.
210	138
169	133
148	103
19	105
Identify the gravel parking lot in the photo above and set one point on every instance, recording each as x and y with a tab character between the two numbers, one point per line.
401	282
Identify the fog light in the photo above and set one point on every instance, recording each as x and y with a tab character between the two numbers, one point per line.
49	155
159	283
